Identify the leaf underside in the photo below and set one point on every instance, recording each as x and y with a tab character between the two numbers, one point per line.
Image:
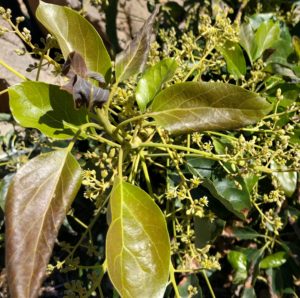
190	106
137	244
133	59
37	201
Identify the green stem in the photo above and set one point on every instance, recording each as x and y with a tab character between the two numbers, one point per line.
125	122
183	148
208	284
173	281
96	284
3	91
120	163
12	70
146	174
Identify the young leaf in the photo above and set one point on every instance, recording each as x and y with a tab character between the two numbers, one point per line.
152	80
190	106
235	60
238	261
267	34
74	33
287	180
45	107
137	243
37	201
273	261
84	92
247	40
132	60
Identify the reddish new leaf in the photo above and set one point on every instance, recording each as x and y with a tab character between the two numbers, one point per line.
37	201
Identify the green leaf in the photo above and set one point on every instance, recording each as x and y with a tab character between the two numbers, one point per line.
235	200
190	106
206	230
245	233
137	243
133	59
74	33
273	261
287	180
152	81
246	36
234	57
238	261
4	184
296	44
248	293
45	107
267	34
37	201
186	282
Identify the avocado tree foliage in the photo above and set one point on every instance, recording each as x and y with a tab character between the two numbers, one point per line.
211	143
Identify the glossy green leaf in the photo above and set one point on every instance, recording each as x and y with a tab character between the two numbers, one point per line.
267	34
37	201
190	106
74	33
47	108
287	180
152	80
238	261
234	57
206	230
273	261
133	59
246	36
137	243
226	192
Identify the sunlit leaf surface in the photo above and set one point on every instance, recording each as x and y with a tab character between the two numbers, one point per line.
47	108
190	106
137	244
37	201
74	33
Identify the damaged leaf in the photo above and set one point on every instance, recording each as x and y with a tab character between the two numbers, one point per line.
133	59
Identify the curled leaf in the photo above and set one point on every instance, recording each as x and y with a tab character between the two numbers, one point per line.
84	92
133	59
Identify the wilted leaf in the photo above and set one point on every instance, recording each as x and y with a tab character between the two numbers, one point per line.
132	60
45	107
74	33
190	106
152	80
234	57
273	261
37	201
137	244
287	180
